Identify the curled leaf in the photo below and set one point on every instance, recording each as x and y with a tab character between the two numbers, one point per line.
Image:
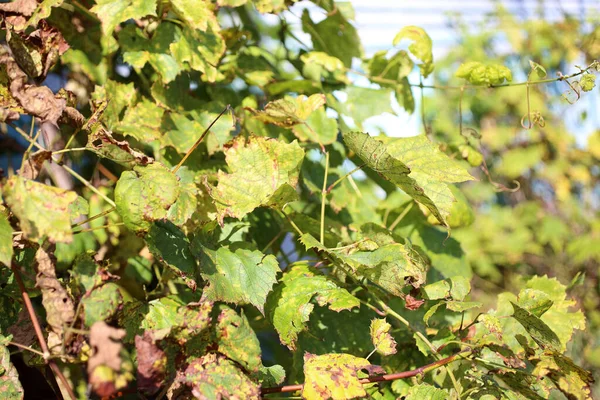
420	48
380	335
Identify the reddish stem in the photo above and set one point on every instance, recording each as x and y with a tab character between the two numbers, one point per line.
38	331
378	378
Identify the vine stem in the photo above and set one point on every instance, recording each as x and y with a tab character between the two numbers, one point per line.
38	331
191	150
324	198
381	378
448	87
334	184
389	311
401	216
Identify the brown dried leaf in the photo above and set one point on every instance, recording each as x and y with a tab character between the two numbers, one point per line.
33	165
22	7
106	345
412	303
22	330
60	310
151	363
101	142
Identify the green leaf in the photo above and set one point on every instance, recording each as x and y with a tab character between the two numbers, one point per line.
138	50
199	50
197	14
535	301
111	13
456	288
144	195
380	336
587	82
570	379
238	275
425	391
264	172
420	47
391	266
101	303
538	69
363	103
237	340
214	377
559	318
117	96
335	376
289	305
170	246
26	199
271	376
10	386
414	165
477	73
334	36
537	329
304	115
187	201
142	121
272	6
6	240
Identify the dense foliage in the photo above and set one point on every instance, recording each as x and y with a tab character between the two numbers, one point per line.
200	211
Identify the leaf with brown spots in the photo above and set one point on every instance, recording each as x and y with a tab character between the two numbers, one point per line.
215	377
335	376
42	210
380	335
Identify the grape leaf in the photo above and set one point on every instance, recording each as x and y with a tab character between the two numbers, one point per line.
380	336
570	379
237	340
145	195
196	13
335	376
363	103
6	242
558	317
420	48
112	13
238	275
42	210
10	386
264	172
214	377
304	115
425	391
457	287
289	305
414	165
138	50
334	35
477	73
539	331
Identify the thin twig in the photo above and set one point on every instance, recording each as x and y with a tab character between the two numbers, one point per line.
38	331
324	198
401	216
334	184
191	150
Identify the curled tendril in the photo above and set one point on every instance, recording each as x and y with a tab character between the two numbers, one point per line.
533	118
574	89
